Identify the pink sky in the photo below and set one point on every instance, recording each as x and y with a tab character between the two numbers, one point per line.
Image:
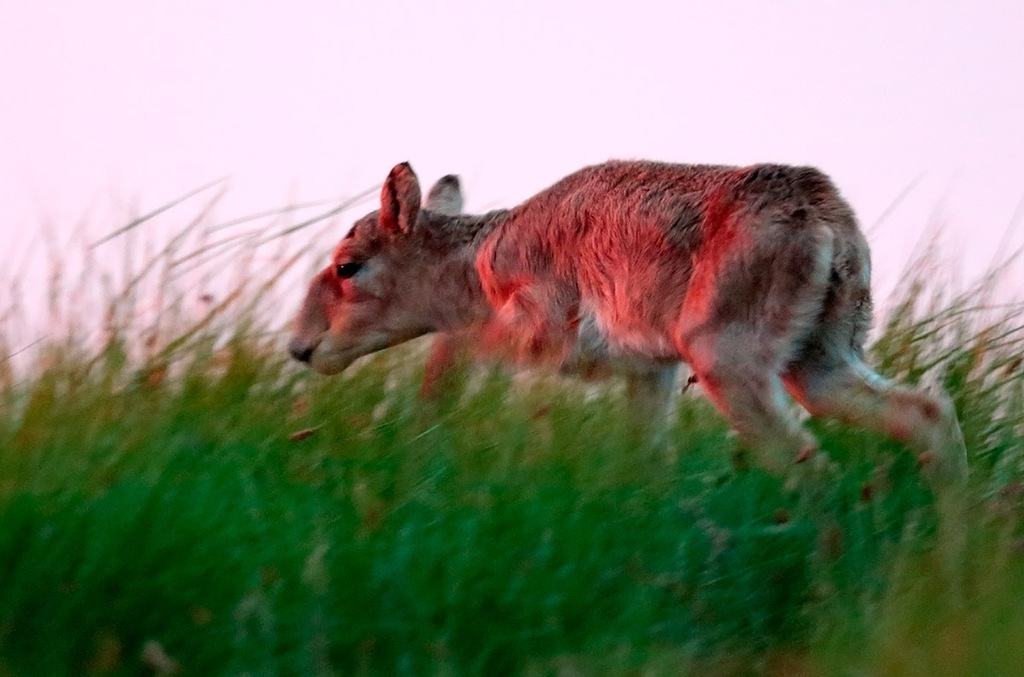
105	103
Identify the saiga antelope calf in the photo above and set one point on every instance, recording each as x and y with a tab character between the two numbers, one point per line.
757	277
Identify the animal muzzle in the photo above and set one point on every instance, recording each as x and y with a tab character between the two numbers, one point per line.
301	350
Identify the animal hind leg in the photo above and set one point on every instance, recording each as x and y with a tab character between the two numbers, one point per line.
744	318
747	389
853	393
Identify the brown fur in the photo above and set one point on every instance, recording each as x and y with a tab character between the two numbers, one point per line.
647	393
757	277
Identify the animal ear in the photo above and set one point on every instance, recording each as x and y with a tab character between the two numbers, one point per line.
445	197
400	200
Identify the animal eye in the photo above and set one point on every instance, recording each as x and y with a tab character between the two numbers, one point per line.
347	270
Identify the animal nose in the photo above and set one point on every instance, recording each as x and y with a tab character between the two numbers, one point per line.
299	350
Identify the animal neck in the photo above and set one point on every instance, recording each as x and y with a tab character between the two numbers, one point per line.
457	300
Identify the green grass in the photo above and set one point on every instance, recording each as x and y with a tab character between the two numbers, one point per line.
152	490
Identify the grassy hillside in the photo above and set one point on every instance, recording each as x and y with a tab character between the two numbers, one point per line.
177	496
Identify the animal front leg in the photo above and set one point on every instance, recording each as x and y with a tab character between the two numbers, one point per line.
535	325
649	400
447	352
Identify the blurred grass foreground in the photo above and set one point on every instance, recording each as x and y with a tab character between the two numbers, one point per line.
177	498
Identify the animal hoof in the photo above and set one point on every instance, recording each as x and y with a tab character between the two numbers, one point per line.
804	455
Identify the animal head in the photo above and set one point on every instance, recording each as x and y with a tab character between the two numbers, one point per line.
378	287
